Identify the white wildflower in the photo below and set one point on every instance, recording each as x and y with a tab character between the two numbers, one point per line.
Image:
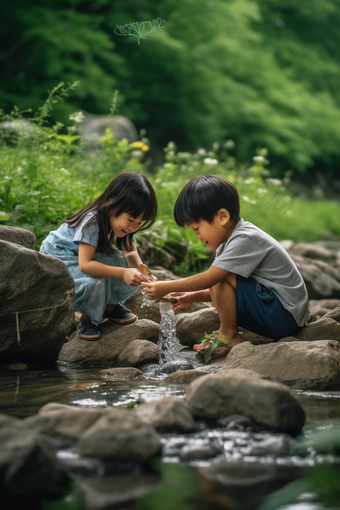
171	153
249	181
136	154
183	154
201	152
171	145
261	190
77	117
167	165
216	146
230	144
259	159
65	171
209	161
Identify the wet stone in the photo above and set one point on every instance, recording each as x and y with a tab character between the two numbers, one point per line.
166	414
122	373
199	452
175	366
185	376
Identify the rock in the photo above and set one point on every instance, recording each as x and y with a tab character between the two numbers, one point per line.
333	314
66	423
322	306
199	452
229	392
93	128
18	235
253	338
191	327
10	422
28	465
122	373
41	290
321	279
185	377
167	414
120	435
15	366
323	329
137	353
114	339
240	485
300	365
152	255
55	406
178	250
287	244
116	491
313	251
174	366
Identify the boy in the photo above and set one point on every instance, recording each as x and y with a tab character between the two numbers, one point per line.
252	282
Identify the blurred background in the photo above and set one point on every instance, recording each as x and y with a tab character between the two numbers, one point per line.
262	73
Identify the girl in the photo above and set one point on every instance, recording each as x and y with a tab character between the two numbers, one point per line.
98	248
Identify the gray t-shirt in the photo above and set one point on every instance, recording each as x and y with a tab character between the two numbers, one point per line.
250	252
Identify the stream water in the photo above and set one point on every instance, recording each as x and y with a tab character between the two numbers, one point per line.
178	482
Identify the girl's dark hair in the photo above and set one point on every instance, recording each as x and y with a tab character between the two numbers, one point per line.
129	192
203	197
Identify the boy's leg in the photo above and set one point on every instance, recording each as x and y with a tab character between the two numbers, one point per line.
224	297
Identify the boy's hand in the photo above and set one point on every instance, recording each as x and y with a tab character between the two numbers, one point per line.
133	277
156	290
184	299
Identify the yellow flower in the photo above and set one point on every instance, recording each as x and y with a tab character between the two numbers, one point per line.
140	145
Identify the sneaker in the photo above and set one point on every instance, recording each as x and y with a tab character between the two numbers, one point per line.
88	331
120	314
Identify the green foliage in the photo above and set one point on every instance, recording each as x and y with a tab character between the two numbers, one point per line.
211	343
46	176
218	70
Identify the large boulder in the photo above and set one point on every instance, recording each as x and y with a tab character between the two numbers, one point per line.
114	339
313	251
322	329
333	314
268	403
153	255
65	422
36	296
167	414
137	353
321	279
191	327
18	236
300	365
322	306
93	128
120	435
28	465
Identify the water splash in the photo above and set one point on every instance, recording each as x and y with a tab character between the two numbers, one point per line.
169	345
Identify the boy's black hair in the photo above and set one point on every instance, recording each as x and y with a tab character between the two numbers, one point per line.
129	192
203	197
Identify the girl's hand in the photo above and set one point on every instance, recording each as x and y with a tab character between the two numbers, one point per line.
133	277
156	290
184	299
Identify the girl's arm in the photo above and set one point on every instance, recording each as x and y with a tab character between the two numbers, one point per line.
132	257
88	265
201	281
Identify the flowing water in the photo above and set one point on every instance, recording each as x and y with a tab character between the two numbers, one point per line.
182	484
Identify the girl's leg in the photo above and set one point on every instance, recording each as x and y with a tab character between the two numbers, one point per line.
223	295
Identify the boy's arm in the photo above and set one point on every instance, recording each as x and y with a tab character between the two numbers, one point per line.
201	281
